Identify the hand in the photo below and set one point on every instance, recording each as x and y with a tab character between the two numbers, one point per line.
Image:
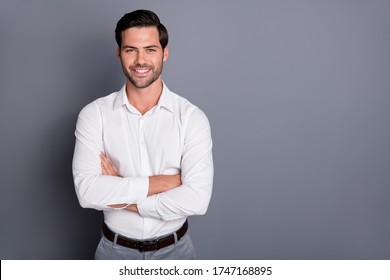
107	167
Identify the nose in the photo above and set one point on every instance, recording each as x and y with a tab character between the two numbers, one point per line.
140	58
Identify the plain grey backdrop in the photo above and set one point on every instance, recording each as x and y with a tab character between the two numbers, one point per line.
297	93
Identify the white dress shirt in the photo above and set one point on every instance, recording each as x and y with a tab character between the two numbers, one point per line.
173	137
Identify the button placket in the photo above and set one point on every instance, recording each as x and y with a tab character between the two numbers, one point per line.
142	146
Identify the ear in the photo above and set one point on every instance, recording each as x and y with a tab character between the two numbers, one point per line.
165	53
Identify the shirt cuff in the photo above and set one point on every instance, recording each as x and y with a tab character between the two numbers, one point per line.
138	189
147	208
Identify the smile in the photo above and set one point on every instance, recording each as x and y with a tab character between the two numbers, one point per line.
141	71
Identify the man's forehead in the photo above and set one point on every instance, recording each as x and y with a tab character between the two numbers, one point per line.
140	35
141	31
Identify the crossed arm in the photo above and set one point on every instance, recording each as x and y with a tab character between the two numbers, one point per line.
157	184
167	197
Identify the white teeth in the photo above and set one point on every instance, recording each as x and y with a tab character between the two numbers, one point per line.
141	70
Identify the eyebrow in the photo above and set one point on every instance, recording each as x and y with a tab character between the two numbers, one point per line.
146	47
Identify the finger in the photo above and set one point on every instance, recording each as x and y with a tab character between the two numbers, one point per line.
107	166
104	165
104	170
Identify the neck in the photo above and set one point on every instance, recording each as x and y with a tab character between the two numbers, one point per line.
144	99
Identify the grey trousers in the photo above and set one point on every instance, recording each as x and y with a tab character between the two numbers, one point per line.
181	250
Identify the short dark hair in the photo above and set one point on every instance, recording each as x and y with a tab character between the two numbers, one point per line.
141	18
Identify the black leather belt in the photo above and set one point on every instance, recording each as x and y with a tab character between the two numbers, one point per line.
149	245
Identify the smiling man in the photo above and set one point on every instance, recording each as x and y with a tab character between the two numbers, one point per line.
143	154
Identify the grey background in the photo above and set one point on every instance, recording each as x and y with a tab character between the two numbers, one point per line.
297	93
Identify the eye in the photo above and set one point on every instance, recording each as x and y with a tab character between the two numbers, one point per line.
151	50
130	51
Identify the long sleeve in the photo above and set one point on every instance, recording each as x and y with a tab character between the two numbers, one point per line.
93	189
193	196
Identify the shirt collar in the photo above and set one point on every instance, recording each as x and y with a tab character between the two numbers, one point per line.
164	101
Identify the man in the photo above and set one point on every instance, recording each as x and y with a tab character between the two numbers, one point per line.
143	155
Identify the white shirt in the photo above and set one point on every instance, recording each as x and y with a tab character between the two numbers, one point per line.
173	137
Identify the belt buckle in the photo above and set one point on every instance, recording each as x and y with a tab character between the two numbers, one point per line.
147	245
